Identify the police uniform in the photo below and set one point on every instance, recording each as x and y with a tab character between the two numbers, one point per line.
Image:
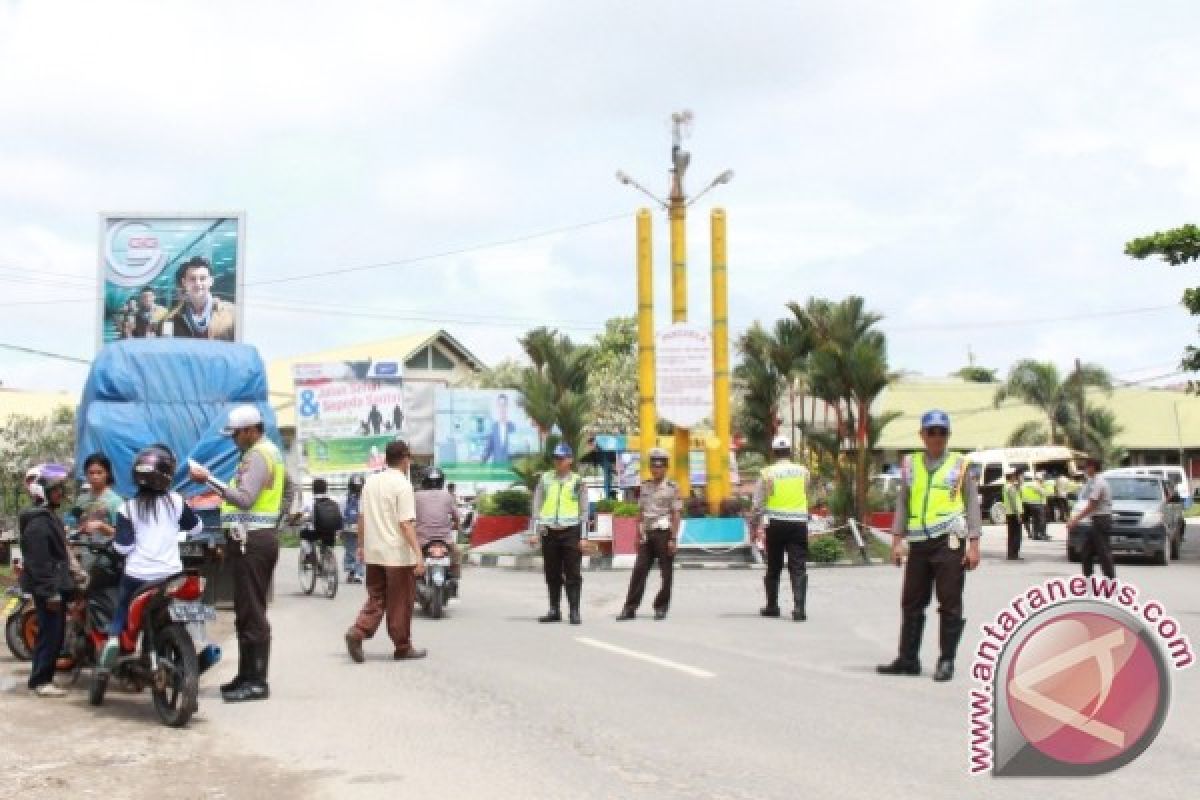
1013	508
937	513
559	504
781	501
659	507
1035	508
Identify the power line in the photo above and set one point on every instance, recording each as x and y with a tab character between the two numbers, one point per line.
45	354
1034	320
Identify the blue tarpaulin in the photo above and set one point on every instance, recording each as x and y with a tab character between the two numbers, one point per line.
177	392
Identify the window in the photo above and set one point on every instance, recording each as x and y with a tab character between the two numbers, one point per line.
439	359
991	474
430	357
419	360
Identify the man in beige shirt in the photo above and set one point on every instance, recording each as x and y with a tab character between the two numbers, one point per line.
387	543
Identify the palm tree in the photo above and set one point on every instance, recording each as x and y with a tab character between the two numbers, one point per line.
758	375
554	394
1039	384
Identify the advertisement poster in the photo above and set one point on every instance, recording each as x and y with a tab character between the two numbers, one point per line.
478	433
173	275
347	412
684	374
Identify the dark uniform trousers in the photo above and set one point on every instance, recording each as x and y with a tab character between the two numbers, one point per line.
1035	520
1014	535
656	546
252	573
788	537
933	566
1097	546
561	560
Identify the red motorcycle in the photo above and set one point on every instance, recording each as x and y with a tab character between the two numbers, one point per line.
20	619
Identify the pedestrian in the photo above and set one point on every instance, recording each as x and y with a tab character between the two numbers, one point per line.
1013	508
1035	506
558	504
252	508
387	543
936	507
350	561
1096	500
1062	488
1046	488
325	519
659	510
96	505
47	575
781	522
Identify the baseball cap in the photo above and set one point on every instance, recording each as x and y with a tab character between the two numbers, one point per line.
658	454
781	443
563	450
935	419
242	417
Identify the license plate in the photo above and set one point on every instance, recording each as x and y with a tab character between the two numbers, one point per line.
437	562
192	612
191	550
11	605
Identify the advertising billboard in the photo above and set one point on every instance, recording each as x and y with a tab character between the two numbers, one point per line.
347	412
171	275
478	433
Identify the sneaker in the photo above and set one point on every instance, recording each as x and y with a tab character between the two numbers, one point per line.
49	690
354	646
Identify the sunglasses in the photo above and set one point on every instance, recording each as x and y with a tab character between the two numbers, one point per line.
654	464
936	432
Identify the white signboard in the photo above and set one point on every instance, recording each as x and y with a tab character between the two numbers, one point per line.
683	356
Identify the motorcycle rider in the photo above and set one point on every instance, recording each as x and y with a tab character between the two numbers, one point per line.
148	528
437	515
47	574
354	568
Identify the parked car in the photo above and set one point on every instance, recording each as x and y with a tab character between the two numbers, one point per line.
1175	475
1147	519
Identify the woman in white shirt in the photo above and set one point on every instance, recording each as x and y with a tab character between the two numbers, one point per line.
148	527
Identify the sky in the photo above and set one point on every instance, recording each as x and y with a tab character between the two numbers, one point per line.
972	169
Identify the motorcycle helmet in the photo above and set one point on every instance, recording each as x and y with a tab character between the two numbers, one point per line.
154	468
434	479
50	476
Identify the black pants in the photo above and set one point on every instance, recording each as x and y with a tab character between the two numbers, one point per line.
561	560
51	628
1096	546
1035	520
655	547
1014	535
252	573
790	538
933	567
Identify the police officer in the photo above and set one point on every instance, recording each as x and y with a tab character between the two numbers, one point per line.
781	513
1035	507
559	503
936	508
251	509
659	510
1013	508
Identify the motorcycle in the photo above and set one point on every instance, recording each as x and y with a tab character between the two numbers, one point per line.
436	586
158	645
20	619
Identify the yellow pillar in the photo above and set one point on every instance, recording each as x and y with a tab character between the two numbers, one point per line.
677	211
719	487
716	479
647	416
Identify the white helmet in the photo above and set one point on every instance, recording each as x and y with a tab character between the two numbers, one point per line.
246	416
781	443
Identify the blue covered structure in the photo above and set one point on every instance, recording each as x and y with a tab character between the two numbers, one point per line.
174	391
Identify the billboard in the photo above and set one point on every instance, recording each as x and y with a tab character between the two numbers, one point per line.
478	433
171	275
347	412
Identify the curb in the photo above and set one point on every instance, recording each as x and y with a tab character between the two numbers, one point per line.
604	564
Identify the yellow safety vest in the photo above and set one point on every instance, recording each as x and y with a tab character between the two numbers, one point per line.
788	499
1031	494
560	506
1013	506
935	502
268	507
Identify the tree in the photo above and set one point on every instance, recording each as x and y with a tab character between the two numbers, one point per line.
26	441
973	374
1177	246
613	379
761	384
1028	434
1039	384
504	375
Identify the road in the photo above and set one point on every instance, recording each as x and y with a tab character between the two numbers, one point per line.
713	702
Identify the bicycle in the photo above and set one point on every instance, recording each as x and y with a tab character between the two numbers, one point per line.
318	563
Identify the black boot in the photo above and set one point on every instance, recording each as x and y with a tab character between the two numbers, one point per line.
255	686
949	634
772	607
799	593
573	593
907	662
553	615
242	672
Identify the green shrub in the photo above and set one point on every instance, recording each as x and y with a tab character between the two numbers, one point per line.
695	508
824	549
606	506
506	503
625	509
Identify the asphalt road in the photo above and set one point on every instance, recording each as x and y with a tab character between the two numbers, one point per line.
713	702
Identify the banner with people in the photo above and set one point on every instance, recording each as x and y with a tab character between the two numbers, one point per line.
347	412
171	275
479	433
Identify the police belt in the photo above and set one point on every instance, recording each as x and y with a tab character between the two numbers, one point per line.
788	516
935	531
250	520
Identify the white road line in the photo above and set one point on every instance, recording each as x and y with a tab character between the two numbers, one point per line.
695	672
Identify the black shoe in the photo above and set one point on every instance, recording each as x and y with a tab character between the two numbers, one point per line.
799	597
242	672
769	611
626	614
575	618
799	616
254	687
248	691
949	634
553	615
660	614
900	667
944	671
907	662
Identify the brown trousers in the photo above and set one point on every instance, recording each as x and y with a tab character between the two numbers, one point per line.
931	566
654	547
252	572
391	592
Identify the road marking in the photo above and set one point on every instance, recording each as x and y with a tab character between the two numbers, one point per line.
695	672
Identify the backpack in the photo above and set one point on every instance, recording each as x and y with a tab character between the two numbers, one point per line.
326	517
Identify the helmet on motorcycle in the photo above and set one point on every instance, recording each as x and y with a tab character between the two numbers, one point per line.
434	479
49	476
154	468
356	483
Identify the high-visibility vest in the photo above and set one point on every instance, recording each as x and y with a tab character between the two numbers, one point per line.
560	504
268	506
1031	494
1012	501
788	498
935	501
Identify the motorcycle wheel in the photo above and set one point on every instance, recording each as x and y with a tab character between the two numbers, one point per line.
80	652
176	700
17	628
98	686
436	602
307	570
329	571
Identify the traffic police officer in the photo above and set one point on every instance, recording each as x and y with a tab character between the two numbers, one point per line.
781	512
252	506
1035	507
659	510
936	507
559	503
1013	508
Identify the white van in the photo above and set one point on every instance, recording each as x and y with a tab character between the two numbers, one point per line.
991	466
1172	474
